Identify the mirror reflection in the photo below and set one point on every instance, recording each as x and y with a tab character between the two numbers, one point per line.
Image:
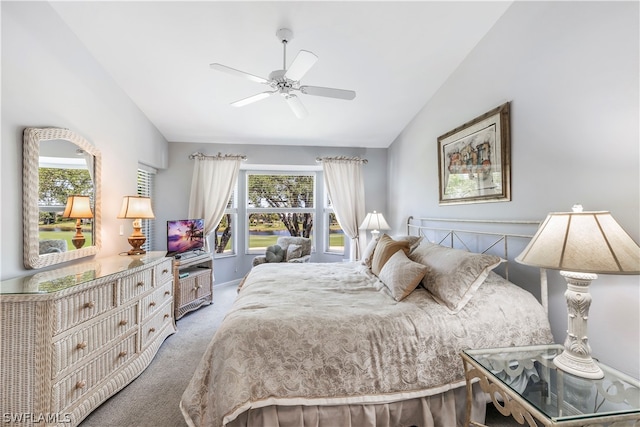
65	197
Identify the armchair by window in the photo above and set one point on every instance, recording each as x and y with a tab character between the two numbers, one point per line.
295	249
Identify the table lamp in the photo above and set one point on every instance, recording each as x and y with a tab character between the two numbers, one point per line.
581	244
136	208
374	222
78	207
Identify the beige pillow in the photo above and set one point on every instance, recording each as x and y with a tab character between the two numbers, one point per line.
384	249
454	275
294	251
401	275
414	241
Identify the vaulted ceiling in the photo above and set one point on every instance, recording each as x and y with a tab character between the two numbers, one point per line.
394	55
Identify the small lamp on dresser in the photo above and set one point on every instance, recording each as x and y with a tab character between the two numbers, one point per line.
79	208
581	245
374	222
136	208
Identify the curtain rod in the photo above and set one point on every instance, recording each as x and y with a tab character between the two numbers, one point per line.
342	159
219	156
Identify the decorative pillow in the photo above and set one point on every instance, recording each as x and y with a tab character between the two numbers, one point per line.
414	241
367	255
274	254
384	249
454	275
401	275
294	251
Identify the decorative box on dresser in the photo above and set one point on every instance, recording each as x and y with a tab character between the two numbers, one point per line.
74	336
193	282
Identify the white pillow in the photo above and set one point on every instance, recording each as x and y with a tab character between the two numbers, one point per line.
454	275
401	275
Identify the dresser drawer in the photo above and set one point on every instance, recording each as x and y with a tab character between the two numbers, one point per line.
163	273
135	284
82	306
151	303
71	388
89	340
150	329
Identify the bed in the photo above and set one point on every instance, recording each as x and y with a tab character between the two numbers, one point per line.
374	342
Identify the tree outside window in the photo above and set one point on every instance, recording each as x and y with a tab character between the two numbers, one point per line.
279	205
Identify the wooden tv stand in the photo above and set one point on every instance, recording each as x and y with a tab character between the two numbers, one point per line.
193	282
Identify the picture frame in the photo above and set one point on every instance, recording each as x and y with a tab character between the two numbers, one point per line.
474	160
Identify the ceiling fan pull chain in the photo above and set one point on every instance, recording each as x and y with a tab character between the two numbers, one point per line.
284	56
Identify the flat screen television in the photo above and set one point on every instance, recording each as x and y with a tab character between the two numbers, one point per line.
185	235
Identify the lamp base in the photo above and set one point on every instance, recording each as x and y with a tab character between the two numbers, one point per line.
576	357
580	366
136	242
78	239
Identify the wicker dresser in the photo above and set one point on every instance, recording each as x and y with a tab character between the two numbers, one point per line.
74	336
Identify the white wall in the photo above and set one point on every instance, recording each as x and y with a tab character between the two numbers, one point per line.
50	79
570	70
174	183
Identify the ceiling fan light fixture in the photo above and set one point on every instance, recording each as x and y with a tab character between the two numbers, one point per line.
286	80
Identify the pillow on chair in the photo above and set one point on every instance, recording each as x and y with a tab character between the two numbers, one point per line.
274	254
293	252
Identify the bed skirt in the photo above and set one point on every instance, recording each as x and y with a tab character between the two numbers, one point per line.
441	410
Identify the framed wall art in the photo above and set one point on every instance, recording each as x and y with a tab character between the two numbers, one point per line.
474	160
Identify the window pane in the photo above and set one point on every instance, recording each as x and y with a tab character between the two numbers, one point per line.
146	180
265	228
280	191
336	235
224	235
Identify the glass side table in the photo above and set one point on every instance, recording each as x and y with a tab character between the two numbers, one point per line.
524	383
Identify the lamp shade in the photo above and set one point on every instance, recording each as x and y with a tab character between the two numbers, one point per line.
78	207
136	207
374	221
587	242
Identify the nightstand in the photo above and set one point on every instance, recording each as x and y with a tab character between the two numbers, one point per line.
524	383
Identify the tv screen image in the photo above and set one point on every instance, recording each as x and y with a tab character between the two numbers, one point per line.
185	235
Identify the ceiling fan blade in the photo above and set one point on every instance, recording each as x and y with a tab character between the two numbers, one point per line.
253	98
301	64
296	106
238	73
328	92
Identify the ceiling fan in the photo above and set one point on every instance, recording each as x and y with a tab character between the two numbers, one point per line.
287	81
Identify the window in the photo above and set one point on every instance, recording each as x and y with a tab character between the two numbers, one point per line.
334	236
146	181
279	204
225	233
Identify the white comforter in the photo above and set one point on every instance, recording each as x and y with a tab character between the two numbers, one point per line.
331	334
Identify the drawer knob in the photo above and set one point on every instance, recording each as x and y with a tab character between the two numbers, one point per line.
122	354
167	293
152	303
151	330
90	304
140	284
123	322
166	316
82	345
81	384
165	271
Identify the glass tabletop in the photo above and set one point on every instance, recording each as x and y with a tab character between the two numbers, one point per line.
66	277
530	372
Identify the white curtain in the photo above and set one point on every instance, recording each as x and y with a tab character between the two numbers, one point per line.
344	182
214	178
